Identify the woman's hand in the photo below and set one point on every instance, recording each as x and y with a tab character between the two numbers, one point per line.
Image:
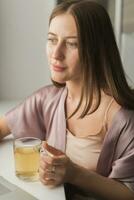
54	169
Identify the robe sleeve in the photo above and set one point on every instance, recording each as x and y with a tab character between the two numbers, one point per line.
26	119
123	165
123	169
116	160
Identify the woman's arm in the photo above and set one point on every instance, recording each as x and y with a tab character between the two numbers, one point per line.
55	170
4	129
99	186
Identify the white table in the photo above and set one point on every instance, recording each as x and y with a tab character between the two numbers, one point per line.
37	189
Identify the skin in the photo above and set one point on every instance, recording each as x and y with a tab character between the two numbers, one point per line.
4	129
62	52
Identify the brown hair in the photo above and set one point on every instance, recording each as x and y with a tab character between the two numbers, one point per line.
98	53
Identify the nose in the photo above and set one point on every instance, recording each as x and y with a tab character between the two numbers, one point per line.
58	52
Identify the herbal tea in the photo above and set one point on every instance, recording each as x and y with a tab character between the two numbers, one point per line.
27	155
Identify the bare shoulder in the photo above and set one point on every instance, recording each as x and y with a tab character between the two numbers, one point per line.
4	129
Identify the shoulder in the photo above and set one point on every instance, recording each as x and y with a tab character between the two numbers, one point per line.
48	89
123	130
123	121
126	115
120	115
120	134
42	97
48	92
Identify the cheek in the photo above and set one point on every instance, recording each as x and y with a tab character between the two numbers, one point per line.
48	52
74	60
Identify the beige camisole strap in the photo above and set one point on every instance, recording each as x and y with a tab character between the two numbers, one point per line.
105	120
85	151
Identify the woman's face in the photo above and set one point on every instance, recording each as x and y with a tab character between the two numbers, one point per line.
62	49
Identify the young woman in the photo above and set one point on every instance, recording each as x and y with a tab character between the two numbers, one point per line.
88	112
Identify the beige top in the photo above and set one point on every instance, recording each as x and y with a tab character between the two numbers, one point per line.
85	151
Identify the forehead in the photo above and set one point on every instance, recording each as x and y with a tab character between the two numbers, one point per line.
63	24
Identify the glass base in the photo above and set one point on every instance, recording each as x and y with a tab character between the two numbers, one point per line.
28	176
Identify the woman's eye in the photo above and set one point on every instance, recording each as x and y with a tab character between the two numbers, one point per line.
71	45
52	41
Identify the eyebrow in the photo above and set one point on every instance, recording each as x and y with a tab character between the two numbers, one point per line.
50	33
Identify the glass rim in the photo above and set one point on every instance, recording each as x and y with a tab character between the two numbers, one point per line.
27	141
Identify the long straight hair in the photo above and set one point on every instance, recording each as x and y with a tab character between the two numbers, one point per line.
99	56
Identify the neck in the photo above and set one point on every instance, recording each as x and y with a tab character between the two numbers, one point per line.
74	91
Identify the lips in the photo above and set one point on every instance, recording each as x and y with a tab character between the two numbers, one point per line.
58	68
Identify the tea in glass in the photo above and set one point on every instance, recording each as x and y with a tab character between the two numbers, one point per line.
27	154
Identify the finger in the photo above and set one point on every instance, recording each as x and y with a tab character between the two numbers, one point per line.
47	178
48	182
51	171
43	148
44	164
46	167
46	158
52	151
60	160
55	160
44	143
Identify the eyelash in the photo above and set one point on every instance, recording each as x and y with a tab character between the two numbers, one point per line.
71	45
52	40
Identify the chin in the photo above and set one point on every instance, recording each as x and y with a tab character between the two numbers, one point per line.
58	79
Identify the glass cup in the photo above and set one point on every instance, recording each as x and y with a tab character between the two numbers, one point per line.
27	154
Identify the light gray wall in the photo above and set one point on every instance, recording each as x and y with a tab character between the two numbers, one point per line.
128	16
128	56
128	40
127	46
23	30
